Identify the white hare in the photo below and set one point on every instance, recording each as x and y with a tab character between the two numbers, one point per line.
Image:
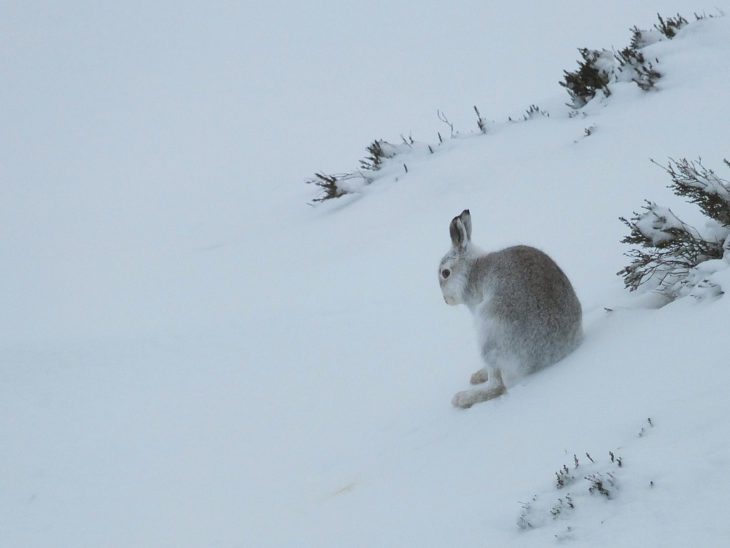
525	310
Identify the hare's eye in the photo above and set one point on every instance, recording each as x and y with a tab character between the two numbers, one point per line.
445	273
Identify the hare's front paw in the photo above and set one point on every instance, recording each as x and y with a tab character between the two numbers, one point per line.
467	398
464	399
479	377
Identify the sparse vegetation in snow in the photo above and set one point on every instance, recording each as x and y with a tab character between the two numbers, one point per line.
379	153
597	71
583	485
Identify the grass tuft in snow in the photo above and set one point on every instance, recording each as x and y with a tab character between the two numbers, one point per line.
534	112
602	484
481	121
525	517
642	433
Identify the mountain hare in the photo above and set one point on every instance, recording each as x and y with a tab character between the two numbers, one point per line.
525	310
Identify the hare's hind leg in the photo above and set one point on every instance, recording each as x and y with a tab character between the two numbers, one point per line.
493	388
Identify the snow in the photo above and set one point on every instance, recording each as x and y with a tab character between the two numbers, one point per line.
192	356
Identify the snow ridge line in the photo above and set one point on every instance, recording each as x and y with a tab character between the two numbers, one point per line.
596	72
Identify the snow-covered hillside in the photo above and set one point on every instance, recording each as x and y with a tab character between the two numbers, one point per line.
191	356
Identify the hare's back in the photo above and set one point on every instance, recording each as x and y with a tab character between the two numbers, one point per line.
525	282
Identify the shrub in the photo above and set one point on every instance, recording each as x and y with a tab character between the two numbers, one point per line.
641	38
593	75
675	258
597	69
337	185
633	65
670	27
379	151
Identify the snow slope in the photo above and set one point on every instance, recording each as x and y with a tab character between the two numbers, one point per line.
190	361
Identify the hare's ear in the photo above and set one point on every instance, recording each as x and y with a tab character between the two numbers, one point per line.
466	219
459	233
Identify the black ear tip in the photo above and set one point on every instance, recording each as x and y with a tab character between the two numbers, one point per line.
466	212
